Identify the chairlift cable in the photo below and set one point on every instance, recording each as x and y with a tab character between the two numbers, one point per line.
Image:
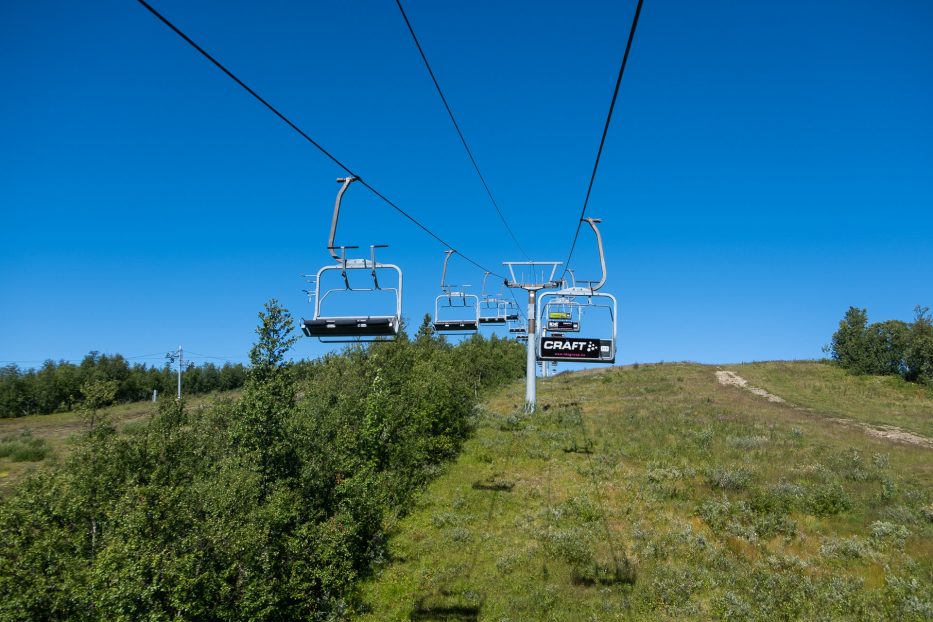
453	120
602	141
302	133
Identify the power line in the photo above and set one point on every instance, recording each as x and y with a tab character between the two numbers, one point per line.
302	133
211	356
453	120
143	356
602	141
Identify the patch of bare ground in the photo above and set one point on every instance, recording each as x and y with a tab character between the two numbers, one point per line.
886	432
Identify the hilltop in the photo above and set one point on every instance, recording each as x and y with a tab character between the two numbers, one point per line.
658	492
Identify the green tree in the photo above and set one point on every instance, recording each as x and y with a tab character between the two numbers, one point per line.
260	430
919	348
849	342
869	349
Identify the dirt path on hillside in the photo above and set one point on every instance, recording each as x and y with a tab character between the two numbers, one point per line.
732	378
888	432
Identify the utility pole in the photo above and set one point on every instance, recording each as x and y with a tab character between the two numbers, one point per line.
532	287
178	354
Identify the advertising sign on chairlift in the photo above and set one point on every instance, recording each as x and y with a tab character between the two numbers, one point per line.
576	349
563	326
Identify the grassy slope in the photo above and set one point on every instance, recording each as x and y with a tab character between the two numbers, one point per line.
656	493
55	431
827	389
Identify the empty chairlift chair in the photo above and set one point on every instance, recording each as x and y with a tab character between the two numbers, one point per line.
356	326
455	311
492	309
563	311
561	315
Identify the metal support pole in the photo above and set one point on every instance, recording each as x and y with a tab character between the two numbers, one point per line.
181	356
531	395
531	371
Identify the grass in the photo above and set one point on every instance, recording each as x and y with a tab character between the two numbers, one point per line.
828	389
26	443
656	493
23	447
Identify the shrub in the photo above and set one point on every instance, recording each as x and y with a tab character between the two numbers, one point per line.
729	479
884	534
827	499
846	548
779	498
269	507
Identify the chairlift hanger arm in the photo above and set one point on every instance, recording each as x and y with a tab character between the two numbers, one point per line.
602	256
447	255
346	181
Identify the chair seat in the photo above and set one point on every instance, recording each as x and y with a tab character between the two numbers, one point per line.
492	320
351	326
455	325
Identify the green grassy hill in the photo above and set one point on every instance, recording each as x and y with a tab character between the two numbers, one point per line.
659	493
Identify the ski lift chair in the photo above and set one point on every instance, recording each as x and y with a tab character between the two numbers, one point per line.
462	308
561	314
492	309
357	327
491	312
558	347
518	327
554	345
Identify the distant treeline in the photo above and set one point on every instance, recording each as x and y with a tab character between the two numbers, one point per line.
892	347
268	506
56	386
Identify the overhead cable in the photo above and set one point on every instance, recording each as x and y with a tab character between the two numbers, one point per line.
453	120
602	141
302	133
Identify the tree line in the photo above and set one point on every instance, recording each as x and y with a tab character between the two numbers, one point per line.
891	347
56	386
266	506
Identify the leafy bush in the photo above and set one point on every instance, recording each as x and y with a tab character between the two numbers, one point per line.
270	507
729	479
827	499
847	548
884	534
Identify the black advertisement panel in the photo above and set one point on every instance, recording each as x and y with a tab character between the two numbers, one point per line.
563	326
576	349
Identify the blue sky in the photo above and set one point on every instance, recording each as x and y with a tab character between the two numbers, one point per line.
768	164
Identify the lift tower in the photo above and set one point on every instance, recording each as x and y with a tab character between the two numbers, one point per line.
533	285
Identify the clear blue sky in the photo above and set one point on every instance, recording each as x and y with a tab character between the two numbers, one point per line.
768	164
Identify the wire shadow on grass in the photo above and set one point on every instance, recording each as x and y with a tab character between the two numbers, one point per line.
622	571
445	604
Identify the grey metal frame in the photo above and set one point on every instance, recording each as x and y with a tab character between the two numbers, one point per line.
590	291
455	326
363	330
